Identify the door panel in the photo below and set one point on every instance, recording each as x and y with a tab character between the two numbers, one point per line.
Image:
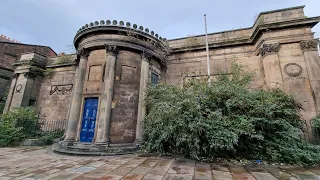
89	119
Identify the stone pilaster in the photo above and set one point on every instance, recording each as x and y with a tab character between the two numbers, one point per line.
271	65
311	56
22	90
76	101
11	92
103	129
144	79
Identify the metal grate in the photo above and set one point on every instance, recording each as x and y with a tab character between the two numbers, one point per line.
52	125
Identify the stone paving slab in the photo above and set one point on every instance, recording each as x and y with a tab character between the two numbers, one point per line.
33	163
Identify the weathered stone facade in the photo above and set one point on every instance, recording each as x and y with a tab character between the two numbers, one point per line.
116	61
10	51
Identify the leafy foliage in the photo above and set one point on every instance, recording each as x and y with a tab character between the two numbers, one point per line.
22	123
226	119
18	124
3	100
48	137
316	121
64	59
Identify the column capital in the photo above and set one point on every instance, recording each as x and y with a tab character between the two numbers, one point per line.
145	55
112	49
29	75
84	53
267	49
309	45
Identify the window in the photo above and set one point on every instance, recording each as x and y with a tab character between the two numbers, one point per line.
154	78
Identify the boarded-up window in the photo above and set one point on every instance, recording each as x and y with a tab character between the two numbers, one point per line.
95	73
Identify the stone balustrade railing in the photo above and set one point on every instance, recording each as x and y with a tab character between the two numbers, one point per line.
121	24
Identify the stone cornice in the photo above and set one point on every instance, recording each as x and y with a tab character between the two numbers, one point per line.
309	45
251	39
123	43
114	29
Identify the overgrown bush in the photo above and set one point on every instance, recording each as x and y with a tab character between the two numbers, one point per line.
3	100
226	119
18	124
48	137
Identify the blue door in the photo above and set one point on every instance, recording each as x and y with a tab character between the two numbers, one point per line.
88	119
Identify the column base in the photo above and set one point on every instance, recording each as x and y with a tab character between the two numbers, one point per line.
66	143
138	143
106	143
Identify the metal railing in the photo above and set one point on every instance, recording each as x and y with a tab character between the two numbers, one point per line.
52	125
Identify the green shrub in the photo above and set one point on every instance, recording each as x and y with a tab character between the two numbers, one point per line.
226	119
3	100
2	104
18	124
48	137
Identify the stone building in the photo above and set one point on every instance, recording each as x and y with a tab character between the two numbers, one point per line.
10	51
101	93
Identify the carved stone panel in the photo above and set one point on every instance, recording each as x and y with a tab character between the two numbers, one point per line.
61	89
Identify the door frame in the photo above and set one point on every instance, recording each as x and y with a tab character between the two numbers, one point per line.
79	126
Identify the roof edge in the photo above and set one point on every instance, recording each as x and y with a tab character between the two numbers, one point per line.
29	45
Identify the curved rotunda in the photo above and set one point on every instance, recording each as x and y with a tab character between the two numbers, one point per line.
115	63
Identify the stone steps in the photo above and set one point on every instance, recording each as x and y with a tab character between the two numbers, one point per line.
94	150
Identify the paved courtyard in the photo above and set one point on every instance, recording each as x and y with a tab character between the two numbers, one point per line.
40	163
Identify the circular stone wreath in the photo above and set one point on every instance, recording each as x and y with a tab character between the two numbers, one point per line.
293	74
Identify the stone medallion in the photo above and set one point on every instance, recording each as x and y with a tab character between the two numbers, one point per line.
293	69
18	88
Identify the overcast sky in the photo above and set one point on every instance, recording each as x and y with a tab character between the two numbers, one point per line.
54	22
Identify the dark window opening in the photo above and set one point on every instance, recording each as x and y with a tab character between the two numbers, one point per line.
32	103
154	78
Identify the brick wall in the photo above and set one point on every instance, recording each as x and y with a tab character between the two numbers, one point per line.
10	52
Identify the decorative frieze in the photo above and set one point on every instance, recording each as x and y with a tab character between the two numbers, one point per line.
61	89
293	69
267	49
309	45
112	49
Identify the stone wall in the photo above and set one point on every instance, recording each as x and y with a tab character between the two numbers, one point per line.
55	93
285	65
125	97
183	66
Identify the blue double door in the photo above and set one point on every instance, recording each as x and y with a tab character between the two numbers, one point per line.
89	119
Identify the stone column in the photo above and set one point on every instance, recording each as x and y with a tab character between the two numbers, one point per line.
144	80
271	65
11	92
103	130
76	101
312	60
